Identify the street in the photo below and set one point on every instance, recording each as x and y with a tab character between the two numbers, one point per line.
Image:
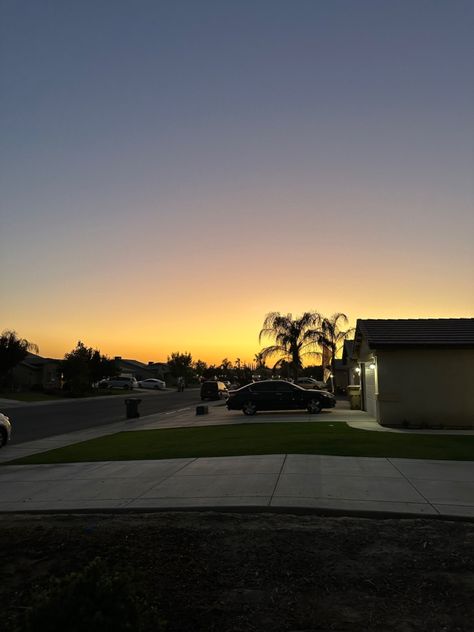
45	419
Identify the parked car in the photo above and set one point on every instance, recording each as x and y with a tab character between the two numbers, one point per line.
119	382
309	382
5	429
213	389
278	395
152	382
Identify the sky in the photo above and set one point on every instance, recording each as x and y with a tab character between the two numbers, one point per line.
170	172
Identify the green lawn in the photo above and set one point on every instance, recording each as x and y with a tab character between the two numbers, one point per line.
277	438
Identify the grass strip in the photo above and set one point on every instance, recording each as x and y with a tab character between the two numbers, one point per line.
269	438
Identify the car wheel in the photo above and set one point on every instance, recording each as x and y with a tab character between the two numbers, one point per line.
249	408
314	407
3	438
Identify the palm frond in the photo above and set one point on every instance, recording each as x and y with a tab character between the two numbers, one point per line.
268	352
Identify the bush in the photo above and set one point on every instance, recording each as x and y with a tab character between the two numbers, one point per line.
92	600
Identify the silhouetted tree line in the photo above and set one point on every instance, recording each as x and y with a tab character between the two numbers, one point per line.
310	336
83	367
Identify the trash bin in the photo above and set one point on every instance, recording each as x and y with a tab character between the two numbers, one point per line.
354	396
131	405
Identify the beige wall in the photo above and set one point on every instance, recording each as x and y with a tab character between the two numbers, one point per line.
426	387
370	391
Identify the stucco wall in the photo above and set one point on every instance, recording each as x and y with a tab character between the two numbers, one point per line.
430	388
370	390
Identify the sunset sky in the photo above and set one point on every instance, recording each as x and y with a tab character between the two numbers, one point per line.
172	171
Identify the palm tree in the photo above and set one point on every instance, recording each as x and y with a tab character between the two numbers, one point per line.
332	338
295	338
226	366
259	361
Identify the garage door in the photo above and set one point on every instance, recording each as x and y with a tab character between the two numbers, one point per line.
370	400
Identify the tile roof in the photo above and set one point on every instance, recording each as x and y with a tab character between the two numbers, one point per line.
136	363
417	332
35	360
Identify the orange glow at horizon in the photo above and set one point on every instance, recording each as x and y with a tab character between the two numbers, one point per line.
222	331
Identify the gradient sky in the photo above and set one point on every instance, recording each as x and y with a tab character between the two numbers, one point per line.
172	171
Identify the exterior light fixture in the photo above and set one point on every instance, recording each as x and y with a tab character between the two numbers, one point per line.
372	365
357	370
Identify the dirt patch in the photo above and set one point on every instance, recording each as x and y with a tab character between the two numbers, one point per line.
243	572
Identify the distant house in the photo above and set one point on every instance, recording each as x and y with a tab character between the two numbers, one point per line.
417	372
346	368
140	370
37	372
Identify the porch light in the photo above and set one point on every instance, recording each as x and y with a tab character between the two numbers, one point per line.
372	365
357	370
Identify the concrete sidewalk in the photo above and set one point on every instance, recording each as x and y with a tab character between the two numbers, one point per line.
280	481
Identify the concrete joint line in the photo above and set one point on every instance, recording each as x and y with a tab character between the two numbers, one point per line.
277	480
166	478
413	486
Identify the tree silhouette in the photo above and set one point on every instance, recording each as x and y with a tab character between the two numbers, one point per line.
295	338
13	350
200	367
259	361
83	366
180	365
332	338
225	367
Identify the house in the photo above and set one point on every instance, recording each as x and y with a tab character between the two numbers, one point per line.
37	372
140	370
346	371
417	372
350	364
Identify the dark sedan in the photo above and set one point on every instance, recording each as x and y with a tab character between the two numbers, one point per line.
278	395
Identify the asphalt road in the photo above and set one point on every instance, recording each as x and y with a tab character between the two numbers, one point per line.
46	419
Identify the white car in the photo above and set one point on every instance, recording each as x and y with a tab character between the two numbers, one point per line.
5	429
311	383
152	382
119	382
